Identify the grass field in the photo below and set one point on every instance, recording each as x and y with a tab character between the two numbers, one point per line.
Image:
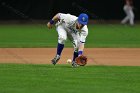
109	35
64	79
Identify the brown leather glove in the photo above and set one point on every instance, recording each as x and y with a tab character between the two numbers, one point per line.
81	60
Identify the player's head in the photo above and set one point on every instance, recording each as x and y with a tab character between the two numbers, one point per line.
83	19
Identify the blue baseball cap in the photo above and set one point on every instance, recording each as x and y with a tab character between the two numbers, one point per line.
83	19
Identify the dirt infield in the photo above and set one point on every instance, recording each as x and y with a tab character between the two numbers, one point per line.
96	56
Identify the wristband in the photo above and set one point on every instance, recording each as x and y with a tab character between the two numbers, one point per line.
51	22
80	53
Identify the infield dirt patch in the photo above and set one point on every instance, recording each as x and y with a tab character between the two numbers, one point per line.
96	56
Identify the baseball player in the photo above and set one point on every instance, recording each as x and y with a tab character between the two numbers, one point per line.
71	27
128	9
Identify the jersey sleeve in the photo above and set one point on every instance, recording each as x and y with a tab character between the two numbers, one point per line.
62	16
66	17
83	34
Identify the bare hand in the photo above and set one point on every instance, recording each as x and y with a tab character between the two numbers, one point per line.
49	25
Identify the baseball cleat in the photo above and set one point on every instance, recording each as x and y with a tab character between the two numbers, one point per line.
55	60
74	64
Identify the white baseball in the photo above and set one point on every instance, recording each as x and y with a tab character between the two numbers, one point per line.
69	61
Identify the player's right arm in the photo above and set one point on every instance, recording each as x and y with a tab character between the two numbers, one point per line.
52	21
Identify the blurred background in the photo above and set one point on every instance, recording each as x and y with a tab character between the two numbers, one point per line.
45	9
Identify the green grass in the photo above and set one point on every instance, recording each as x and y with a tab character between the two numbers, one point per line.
23	78
100	35
114	36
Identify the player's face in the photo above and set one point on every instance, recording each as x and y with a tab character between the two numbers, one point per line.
79	26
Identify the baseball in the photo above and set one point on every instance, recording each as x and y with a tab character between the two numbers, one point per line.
69	61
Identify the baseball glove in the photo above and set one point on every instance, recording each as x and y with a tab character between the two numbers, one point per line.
81	60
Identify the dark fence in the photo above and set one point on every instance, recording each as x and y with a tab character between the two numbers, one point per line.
45	9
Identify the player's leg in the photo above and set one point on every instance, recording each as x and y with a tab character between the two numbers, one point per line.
131	15
75	53
62	36
125	20
127	15
73	38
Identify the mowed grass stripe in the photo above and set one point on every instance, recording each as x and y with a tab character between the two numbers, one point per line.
100	35
23	78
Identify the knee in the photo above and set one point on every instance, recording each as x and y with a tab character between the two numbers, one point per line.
62	39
